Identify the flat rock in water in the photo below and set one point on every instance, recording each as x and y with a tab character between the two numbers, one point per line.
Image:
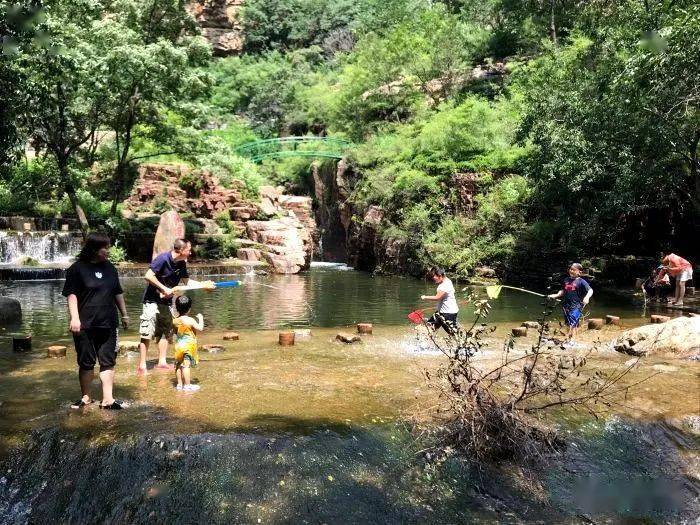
531	324
213	348
348	338
679	337
128	346
231	336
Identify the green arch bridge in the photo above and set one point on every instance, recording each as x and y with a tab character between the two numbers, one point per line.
309	146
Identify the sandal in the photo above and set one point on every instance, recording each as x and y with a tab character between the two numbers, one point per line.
80	404
116	405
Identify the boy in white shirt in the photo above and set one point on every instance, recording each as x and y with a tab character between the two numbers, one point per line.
447	309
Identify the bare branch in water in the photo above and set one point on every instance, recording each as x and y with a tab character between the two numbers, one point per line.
496	414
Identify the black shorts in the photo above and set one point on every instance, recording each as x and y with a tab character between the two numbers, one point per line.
96	345
446	321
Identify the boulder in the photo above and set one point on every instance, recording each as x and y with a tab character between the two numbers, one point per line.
485	272
10	310
679	337
249	254
531	324
657	319
170	227
348	338
287	243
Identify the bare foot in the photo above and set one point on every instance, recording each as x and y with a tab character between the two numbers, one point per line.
141	371
163	366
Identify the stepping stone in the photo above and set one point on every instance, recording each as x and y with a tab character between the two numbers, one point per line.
364	328
22	343
128	346
657	319
519	331
612	319
231	336
302	332
286	338
531	324
56	351
595	324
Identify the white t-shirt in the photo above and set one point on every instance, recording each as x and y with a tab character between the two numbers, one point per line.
448	304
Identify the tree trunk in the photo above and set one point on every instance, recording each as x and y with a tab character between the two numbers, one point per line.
695	171
73	198
123	159
118	189
552	24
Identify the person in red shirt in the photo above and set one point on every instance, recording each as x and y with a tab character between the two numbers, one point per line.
677	267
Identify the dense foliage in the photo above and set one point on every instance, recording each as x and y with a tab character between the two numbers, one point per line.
576	121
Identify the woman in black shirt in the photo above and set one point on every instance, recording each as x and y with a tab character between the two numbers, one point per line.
94	293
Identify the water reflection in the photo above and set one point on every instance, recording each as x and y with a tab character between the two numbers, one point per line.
326	296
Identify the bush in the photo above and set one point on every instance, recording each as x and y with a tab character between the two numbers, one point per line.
192	182
220	247
93	208
228	167
117	254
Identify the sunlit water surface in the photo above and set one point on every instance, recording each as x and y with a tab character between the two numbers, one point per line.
315	432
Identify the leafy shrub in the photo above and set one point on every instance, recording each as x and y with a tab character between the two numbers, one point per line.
161	204
192	182
117	254
93	208
228	167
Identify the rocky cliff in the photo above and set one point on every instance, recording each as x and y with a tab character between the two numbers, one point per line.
220	23
351	233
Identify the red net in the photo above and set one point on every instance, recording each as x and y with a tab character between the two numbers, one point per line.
416	317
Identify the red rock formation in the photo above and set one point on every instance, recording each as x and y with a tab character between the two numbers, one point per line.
160	183
285	242
220	24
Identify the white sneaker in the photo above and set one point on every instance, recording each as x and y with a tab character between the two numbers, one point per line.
191	388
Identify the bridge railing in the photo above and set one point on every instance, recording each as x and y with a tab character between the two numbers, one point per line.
330	147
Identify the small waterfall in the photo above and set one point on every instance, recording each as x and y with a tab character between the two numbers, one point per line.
44	247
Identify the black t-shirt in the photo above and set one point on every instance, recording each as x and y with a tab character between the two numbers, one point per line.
169	272
95	285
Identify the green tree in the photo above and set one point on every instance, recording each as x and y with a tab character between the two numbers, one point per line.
616	145
295	24
66	91
151	51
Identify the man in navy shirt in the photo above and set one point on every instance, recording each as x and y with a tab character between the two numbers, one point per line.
165	272
575	294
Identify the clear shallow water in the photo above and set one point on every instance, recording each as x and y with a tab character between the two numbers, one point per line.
329	295
319	417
